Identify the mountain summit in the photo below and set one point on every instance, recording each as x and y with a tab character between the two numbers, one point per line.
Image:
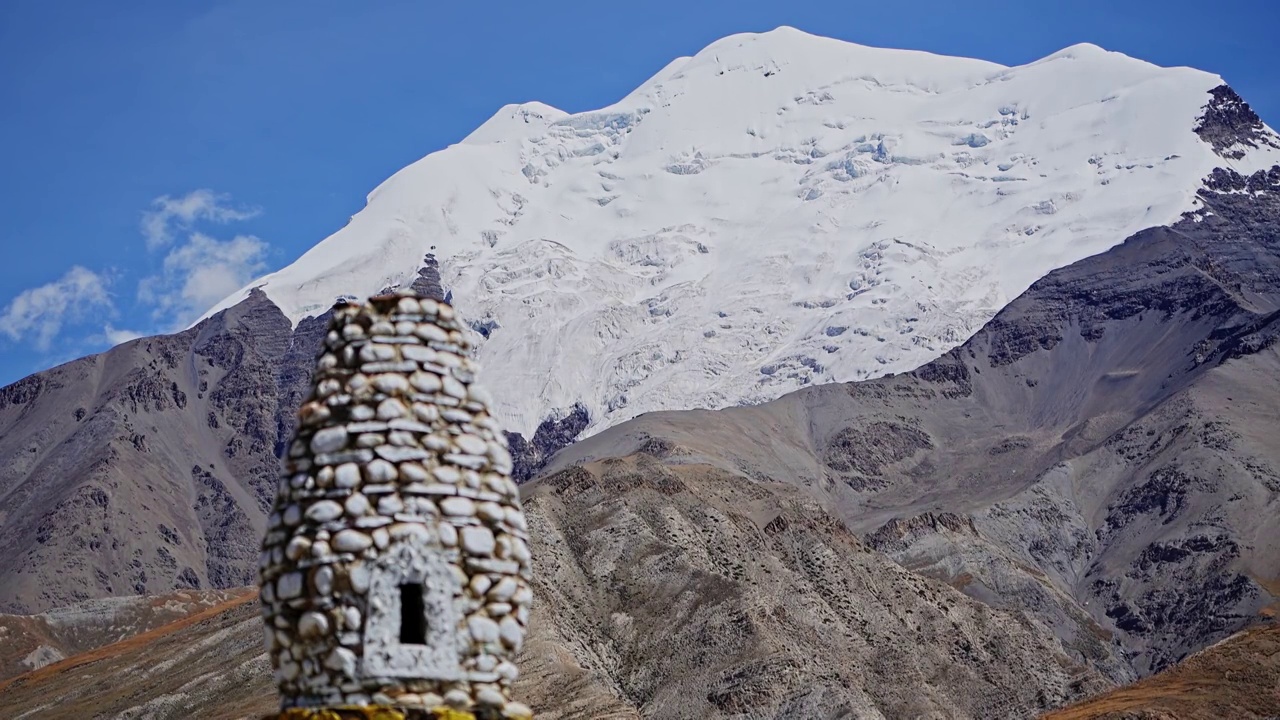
778	210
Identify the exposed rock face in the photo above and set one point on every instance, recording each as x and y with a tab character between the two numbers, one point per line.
1103	455
1237	678
1231	126
30	642
152	466
552	435
149	467
676	592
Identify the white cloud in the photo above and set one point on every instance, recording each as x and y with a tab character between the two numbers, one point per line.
38	314
118	336
169	214
200	273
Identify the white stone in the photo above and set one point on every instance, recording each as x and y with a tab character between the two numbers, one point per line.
401	454
457	506
362	413
324	511
352	331
351	618
390	383
359	576
473	462
490	511
425	382
343	661
376	352
390	504
490	697
445	311
457	699
418	353
426	412
456	416
381	539
448	535
289	670
453	388
380	471
511	632
507	671
313	624
436	442
483	630
504	590
447	474
523	596
320	549
411	531
323	580
351	541
497	609
370	440
480	584
292	515
479	394
477	540
517	711
400	438
520	551
431	333
327	440
324	477
382	327
347	475
471	444
328	386
409	700
390	409
356	505
515	518
413	472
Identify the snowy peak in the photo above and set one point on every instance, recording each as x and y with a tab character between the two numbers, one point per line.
514	121
777	210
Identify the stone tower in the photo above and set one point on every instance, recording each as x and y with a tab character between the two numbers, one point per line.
395	569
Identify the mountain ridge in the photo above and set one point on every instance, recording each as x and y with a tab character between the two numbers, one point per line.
778	209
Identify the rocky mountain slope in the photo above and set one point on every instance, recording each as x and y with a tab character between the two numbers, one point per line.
1237	678
30	642
664	593
1104	455
148	468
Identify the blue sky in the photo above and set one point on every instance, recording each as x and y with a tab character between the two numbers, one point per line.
154	153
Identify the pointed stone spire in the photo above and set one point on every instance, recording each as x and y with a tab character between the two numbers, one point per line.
395	569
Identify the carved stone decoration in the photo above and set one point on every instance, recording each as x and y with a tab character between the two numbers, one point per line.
395	568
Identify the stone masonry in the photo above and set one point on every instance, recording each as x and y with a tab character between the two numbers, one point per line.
395	569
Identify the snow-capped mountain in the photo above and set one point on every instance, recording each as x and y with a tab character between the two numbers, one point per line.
779	209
